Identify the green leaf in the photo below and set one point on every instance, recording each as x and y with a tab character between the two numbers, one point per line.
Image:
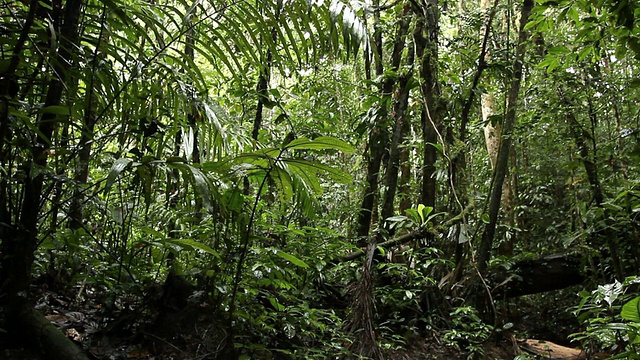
408	294
631	310
559	50
485	218
312	168
56	110
276	304
396	218
153	232
284	182
117	10
320	143
294	260
118	166
200	180
548	62
424	211
194	245
438	147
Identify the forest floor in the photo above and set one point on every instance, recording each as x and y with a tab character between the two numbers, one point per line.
128	333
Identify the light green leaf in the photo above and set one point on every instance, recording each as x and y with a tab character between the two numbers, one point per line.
485	218
438	147
283	181
313	168
118	166
559	50
153	232
424	211
276	304
193	245
631	310
56	110
294	260
320	143
200	180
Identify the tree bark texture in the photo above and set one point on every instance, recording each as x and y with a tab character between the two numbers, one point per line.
502	162
458	166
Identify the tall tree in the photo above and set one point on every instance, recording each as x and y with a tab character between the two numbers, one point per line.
400	104
379	137
502	162
89	121
426	42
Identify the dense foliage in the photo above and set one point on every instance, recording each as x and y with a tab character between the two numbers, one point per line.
324	179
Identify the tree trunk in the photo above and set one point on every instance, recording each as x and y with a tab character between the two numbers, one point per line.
588	157
426	43
362	314
492	136
399	110
21	241
458	167
81	175
502	162
378	136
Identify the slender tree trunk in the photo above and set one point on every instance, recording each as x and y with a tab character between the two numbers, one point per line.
458	168
502	162
492	135
581	139
399	110
404	184
9	89
263	86
81	175
193	116
426	43
378	137
362	315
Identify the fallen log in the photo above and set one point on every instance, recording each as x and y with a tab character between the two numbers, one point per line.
43	335
533	276
525	277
